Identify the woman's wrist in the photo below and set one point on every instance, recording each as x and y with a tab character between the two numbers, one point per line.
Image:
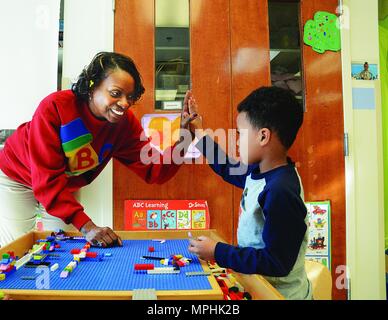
88	226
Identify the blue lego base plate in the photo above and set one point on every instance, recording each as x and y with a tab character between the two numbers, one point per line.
114	273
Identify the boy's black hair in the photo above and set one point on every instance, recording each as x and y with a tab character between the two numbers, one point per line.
99	68
276	109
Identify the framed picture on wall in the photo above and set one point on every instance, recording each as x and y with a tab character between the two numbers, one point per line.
364	71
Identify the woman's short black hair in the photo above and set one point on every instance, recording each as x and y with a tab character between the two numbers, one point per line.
99	68
276	109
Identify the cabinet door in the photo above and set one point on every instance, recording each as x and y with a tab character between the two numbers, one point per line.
211	84
319	148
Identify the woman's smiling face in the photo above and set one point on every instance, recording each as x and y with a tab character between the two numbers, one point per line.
111	99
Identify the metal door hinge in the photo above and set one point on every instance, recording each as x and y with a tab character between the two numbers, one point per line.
346	144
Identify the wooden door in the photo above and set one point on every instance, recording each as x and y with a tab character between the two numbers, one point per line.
211	84
319	148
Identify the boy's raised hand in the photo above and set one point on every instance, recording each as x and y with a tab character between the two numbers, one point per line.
186	116
203	247
190	118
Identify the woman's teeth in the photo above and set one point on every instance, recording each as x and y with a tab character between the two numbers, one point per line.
119	113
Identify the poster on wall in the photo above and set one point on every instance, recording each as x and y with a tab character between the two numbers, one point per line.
319	235
364	71
163	130
322	33
166	215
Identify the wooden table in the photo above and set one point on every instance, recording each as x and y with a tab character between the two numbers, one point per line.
256	285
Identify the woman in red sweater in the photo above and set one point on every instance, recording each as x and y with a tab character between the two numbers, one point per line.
70	139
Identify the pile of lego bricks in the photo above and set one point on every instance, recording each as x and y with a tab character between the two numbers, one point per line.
7	264
230	287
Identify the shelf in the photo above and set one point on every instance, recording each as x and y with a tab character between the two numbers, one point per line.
286	50
172	48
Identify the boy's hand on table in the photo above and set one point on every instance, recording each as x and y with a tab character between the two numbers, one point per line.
100	236
203	247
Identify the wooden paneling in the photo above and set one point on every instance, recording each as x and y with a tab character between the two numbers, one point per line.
318	150
211	84
250	60
133	36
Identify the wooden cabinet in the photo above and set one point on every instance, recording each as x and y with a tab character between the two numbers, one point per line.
229	55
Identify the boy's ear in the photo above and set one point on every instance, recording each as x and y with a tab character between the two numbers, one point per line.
264	136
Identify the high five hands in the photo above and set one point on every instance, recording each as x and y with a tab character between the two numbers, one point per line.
190	119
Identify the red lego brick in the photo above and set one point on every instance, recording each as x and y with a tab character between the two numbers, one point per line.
144	266
75	251
91	254
225	290
180	263
151	249
234	296
57	246
222	283
9	269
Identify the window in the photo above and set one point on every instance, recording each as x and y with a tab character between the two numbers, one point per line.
285	46
172	53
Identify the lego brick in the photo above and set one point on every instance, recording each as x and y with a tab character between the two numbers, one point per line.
152	258
21	262
198	273
91	254
2	276
54	267
167	270
144	266
28	277
35	265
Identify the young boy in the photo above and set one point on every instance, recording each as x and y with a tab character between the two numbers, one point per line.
272	228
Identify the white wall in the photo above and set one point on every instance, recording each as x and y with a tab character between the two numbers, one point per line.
88	29
364	166
28	57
